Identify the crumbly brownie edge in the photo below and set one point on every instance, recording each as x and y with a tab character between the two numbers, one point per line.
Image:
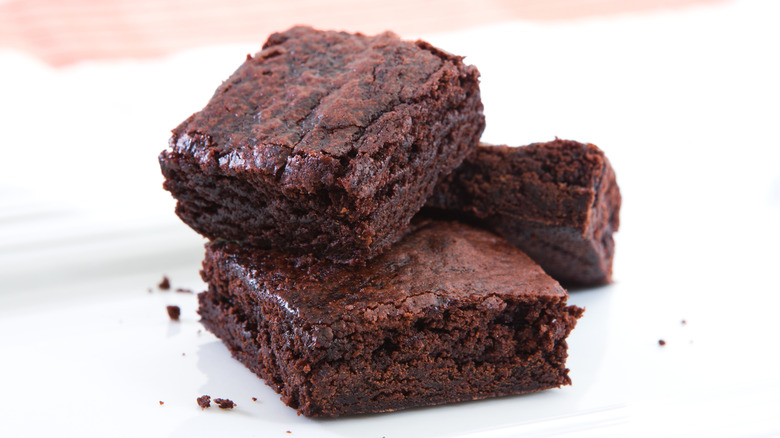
579	255
398	373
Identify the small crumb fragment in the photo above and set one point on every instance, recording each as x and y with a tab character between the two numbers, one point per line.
287	431
683	322
149	290
254	398
661	342
165	284
162	402
173	312
204	401
224	403
183	354
199	331
182	290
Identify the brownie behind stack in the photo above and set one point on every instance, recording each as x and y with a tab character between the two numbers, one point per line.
305	170
557	201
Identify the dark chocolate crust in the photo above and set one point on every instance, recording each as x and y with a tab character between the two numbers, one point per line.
324	143
558	201
450	313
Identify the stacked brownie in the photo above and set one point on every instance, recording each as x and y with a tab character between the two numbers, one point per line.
324	143
308	170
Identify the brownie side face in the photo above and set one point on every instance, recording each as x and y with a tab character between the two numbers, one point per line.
450	313
324	142
559	202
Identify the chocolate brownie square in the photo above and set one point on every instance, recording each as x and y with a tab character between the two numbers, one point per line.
450	313
559	202
324	143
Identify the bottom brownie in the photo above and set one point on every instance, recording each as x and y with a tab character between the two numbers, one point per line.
451	313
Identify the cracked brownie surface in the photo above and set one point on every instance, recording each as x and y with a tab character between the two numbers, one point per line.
324	142
450	313
558	201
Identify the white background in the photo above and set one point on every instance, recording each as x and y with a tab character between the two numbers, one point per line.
686	105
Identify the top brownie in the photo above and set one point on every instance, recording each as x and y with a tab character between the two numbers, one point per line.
324	143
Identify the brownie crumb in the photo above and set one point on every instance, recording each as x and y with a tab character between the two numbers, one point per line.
148	290
224	403
683	322
254	398
162	402
287	431
661	342
182	290
173	312
204	401
165	284
183	354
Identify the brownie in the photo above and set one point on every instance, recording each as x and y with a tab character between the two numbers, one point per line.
224	403
324	143
173	312
204	401
450	313
558	201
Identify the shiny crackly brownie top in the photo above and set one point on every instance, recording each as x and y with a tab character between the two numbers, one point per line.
438	263
311	91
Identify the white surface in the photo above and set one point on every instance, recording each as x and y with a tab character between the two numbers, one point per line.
684	104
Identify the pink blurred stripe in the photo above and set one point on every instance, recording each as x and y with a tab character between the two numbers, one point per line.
62	32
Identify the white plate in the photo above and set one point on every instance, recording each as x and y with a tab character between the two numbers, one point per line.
685	106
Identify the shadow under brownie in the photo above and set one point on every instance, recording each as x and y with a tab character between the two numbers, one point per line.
324	143
450	313
558	201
